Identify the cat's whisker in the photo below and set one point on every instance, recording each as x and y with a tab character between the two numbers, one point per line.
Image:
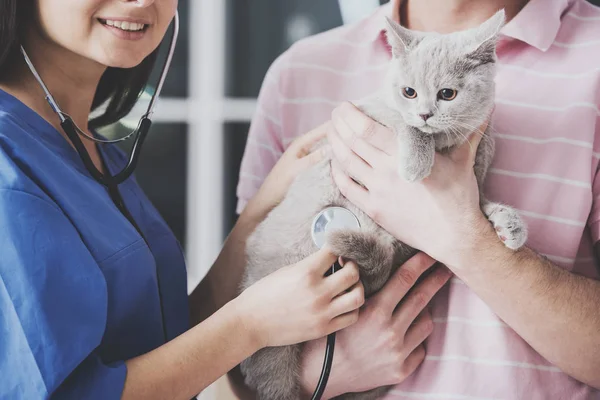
472	128
466	138
447	137
455	132
466	117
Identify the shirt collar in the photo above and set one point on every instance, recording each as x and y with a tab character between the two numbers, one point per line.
375	28
537	24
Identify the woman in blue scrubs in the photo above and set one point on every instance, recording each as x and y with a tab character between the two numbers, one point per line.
82	314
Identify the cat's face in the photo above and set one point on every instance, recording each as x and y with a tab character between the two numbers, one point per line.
444	84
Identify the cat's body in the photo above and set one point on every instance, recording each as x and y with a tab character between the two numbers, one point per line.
284	237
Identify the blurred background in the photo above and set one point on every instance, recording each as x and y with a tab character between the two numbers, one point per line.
192	156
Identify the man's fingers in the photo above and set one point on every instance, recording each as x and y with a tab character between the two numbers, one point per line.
412	362
313	158
401	282
419	297
305	143
351	190
350	122
352	163
418	331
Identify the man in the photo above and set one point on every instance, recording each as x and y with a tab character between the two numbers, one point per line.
546	125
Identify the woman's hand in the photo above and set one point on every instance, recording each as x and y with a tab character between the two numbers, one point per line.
385	346
297	158
439	215
298	303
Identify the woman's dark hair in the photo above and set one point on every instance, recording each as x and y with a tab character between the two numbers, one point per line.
120	87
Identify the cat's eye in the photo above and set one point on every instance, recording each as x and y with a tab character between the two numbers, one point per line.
447	94
409	93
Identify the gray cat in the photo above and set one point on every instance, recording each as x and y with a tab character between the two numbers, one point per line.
438	90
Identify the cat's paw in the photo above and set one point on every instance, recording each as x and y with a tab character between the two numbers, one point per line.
372	253
416	169
508	224
415	175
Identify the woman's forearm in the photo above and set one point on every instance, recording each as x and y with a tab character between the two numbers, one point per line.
222	282
188	364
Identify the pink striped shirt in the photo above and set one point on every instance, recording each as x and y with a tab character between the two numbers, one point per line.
546	165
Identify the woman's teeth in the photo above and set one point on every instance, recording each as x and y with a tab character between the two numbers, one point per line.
126	26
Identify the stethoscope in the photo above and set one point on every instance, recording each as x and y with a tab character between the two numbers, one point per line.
327	221
73	131
111	182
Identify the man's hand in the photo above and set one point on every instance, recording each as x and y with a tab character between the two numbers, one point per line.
298	157
385	346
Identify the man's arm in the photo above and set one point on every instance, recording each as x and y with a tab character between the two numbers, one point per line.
555	311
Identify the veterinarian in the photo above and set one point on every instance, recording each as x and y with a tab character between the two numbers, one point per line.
93	301
511	325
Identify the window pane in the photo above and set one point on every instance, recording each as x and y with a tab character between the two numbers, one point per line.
233	147
259	30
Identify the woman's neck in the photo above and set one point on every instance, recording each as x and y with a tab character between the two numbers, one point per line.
71	79
445	16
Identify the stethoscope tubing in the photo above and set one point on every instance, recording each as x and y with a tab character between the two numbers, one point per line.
329	350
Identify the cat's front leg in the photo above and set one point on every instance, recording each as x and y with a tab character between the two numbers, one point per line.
416	154
511	229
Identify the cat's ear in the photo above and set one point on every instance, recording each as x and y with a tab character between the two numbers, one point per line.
399	38
486	38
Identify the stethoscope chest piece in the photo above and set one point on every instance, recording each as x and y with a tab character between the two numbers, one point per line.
329	220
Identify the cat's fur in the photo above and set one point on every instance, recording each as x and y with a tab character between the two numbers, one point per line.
427	62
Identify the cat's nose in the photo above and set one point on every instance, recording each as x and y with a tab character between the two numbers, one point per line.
425	117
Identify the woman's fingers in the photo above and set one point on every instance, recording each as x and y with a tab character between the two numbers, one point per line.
321	261
349	301
342	321
343	279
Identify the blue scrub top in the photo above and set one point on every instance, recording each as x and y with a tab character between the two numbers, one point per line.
78	284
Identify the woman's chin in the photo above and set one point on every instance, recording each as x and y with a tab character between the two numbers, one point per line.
118	57
124	63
